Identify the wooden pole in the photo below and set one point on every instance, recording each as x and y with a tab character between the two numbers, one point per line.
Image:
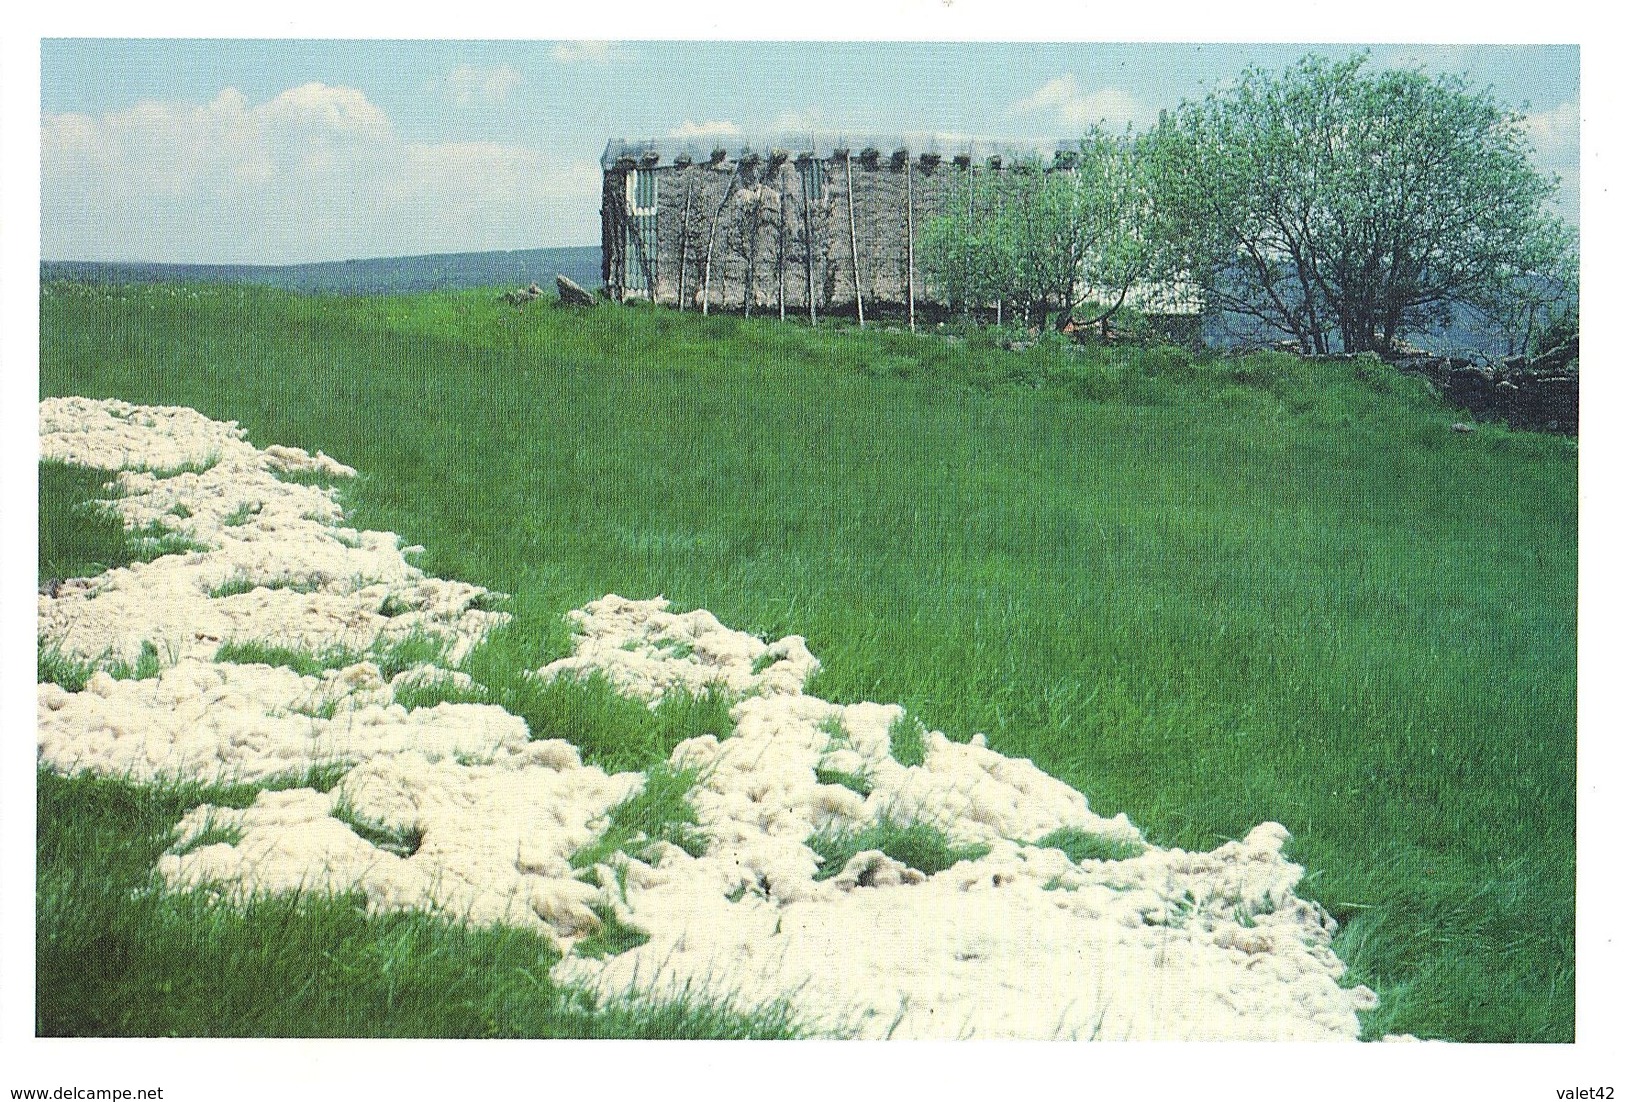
711	239
806	229
998	211
614	263
852	220
751	217
970	224
908	183
682	247
782	232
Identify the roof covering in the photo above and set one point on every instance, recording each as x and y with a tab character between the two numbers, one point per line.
823	144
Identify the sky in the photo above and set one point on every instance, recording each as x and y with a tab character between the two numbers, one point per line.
286	151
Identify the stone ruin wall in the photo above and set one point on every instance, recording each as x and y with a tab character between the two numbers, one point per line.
1542	394
747	200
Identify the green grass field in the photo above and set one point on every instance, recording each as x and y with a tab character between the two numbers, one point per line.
1206	593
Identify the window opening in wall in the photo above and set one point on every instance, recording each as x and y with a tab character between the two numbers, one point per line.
642	199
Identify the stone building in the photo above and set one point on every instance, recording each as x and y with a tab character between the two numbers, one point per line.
802	227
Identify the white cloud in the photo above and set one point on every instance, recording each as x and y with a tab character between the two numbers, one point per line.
471	86
814	119
318	107
714	128
1065	99
588	53
315	173
1555	134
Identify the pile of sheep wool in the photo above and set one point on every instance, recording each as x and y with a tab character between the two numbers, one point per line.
1016	939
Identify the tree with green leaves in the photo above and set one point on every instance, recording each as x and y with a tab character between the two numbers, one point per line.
1328	202
966	263
1070	242
1531	307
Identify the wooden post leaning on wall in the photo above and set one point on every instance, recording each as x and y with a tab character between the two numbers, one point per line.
682	246
711	238
908	192
618	205
804	173
852	222
806	229
996	164
612	213
779	159
970	223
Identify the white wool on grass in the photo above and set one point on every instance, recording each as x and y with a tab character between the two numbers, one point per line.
987	950
307	583
764	780
225	723
496	838
646	651
113	435
1019	942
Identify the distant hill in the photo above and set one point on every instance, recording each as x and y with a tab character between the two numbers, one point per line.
438	271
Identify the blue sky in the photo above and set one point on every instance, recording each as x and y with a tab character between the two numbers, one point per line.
270	151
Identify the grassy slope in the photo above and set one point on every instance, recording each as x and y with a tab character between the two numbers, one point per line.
1205	595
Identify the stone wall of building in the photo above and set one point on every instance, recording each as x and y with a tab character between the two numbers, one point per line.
771	232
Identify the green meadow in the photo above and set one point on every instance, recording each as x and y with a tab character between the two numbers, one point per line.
1204	591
